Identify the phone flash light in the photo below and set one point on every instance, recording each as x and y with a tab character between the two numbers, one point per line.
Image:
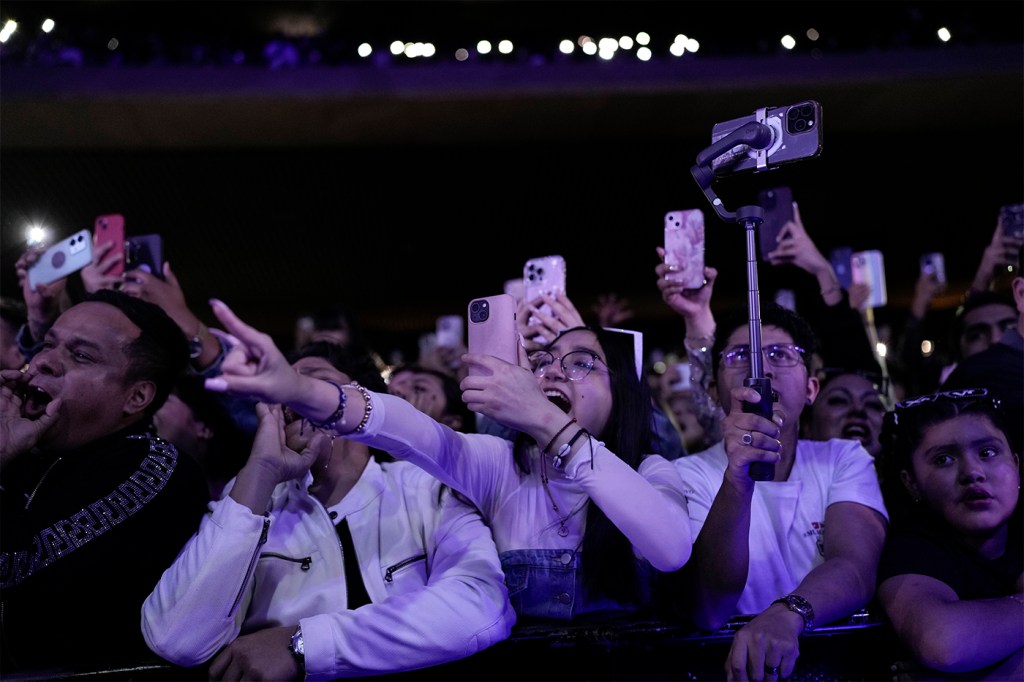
34	234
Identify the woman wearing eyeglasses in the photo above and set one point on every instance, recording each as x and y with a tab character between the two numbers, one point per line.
580	510
796	551
951	578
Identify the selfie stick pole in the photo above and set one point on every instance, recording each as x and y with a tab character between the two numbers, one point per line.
758	136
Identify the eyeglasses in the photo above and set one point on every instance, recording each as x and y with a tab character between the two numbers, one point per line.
576	365
777	354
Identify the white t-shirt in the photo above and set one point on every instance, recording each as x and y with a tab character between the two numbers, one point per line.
787	518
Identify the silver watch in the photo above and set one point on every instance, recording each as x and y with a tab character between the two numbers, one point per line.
297	648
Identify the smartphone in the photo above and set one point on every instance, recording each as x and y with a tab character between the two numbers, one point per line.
796	135
777	203
786	298
868	267
841	258
448	331
492	329
110	229
63	258
1012	218
514	288
146	249
934	265
684	247
543	275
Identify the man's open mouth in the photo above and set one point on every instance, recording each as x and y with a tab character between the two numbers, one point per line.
36	400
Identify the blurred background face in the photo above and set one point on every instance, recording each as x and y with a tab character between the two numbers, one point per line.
984	326
848	406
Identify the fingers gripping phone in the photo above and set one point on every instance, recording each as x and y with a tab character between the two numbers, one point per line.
110	229
796	135
63	258
684	247
492	329
777	203
543	275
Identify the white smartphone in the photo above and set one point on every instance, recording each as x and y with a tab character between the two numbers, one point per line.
543	275
868	267
448	332
492	329
684	247
63	258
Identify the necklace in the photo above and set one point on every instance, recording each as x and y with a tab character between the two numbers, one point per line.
562	530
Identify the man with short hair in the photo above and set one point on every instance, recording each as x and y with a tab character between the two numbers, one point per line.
95	505
795	551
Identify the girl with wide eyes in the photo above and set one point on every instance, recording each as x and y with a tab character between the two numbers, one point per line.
951	578
584	516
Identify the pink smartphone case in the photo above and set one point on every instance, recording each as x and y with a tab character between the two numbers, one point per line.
684	247
493	333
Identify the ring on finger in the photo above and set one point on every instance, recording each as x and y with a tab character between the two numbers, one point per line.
747	438
771	670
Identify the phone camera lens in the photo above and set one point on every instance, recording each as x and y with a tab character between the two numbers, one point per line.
799	126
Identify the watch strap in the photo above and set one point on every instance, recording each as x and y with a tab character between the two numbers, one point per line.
799	606
297	647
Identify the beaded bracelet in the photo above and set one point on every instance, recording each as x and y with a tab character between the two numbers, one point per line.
369	406
338	415
555	437
558	460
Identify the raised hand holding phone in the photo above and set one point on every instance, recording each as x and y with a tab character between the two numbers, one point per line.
66	256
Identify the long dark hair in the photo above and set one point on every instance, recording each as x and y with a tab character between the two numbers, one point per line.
607	563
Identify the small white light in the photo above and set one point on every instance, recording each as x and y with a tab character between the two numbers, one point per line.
48	25
505	47
643	38
881	349
461	54
429	49
484	47
927	348
566	46
8	30
626	43
112	44
644	54
590	48
692	45
788	42
364	50
945	35
397	47
812	34
677	49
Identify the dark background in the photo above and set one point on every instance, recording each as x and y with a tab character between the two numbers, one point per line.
402	190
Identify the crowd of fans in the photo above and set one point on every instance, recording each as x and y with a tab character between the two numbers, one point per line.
312	511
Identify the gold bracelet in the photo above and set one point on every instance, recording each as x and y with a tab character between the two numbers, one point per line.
369	406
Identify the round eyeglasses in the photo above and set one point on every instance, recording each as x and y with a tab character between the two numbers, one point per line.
576	365
777	354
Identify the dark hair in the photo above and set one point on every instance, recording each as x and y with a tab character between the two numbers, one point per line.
353	361
608	564
772	315
230	444
904	427
13	311
454	404
160	353
975	300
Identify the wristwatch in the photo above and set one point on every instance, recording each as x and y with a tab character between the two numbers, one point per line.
195	344
297	648
799	605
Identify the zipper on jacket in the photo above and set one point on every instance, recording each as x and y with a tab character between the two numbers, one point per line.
304	562
252	562
389	573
